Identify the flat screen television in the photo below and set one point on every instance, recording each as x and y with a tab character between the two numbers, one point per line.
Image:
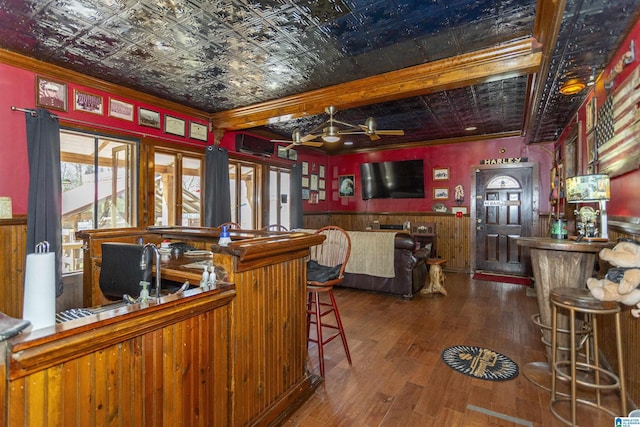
402	179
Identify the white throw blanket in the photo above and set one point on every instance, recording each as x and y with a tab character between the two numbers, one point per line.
372	253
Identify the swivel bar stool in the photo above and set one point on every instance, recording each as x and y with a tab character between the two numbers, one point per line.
577	300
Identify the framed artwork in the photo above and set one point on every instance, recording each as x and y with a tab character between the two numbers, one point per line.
440	174
346	186
591	111
51	94
322	195
198	131
313	197
305	168
570	151
174	125
120	110
88	102
321	184
313	186
305	194
305	182
440	193
282	152
148	118
591	147
321	171
293	154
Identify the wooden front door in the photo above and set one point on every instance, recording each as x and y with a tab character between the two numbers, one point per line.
503	212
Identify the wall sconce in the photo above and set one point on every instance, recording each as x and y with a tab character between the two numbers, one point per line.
585	189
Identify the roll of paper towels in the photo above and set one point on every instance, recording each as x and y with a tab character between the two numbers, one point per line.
39	305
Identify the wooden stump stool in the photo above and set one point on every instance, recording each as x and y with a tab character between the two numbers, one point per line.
436	277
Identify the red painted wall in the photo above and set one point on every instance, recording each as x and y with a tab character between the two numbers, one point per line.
18	89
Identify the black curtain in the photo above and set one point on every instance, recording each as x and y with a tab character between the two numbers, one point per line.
297	220
44	212
217	199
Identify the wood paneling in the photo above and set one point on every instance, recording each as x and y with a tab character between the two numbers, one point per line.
453	234
164	365
13	235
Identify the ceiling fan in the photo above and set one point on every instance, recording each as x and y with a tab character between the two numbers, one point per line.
330	131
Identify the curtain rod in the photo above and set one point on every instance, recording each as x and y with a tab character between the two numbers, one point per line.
82	122
24	110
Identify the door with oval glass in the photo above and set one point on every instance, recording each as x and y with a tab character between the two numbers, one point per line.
504	200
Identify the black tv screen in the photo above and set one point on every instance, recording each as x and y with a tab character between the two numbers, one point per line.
392	180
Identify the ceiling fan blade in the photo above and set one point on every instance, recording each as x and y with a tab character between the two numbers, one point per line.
390	132
374	137
313	143
293	144
309	137
281	140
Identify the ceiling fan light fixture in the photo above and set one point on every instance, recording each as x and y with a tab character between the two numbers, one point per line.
331	134
572	87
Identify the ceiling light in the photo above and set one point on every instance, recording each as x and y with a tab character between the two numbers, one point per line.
470	128
571	87
330	134
348	143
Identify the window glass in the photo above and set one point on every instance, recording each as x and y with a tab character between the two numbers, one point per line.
99	182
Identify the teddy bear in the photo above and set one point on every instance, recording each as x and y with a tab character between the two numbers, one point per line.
621	283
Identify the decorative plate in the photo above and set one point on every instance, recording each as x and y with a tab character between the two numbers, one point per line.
439	207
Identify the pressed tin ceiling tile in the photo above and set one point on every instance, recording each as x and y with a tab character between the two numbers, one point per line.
215	55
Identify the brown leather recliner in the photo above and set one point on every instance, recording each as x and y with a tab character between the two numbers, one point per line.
409	266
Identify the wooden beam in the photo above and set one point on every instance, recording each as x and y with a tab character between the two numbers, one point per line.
545	30
511	59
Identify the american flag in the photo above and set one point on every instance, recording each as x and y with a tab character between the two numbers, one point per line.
618	129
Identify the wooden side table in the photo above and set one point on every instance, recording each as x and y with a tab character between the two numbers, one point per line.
436	277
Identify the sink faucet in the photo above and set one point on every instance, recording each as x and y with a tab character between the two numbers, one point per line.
143	264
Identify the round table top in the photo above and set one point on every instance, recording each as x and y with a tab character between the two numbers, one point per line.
562	244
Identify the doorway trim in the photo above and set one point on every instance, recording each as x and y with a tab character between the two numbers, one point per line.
535	202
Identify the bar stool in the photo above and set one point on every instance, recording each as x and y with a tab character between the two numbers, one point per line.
577	300
436	277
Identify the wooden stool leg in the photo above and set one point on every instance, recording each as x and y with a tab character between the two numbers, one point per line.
340	328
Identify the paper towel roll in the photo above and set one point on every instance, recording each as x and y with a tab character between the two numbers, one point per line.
39	305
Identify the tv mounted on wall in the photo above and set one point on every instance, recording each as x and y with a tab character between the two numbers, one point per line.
403	179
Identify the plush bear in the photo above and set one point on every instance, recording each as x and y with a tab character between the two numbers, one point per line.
622	281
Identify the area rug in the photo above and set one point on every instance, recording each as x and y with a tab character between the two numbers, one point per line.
490	277
479	362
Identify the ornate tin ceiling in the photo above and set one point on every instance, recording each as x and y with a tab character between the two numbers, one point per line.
217	55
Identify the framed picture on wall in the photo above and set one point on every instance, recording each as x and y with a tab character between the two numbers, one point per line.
174	125
440	174
346	186
322	195
313	183
88	102
51	94
305	182
591	114
440	193
321	171
198	131
305	168
305	194
120	109
148	118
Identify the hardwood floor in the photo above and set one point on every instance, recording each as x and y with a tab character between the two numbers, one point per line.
398	378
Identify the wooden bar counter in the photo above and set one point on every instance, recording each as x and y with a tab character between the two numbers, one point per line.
165	363
268	337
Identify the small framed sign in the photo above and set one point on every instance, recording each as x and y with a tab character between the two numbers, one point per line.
346	186
174	125
198	131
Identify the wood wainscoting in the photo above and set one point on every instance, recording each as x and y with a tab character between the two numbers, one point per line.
453	233
13	235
